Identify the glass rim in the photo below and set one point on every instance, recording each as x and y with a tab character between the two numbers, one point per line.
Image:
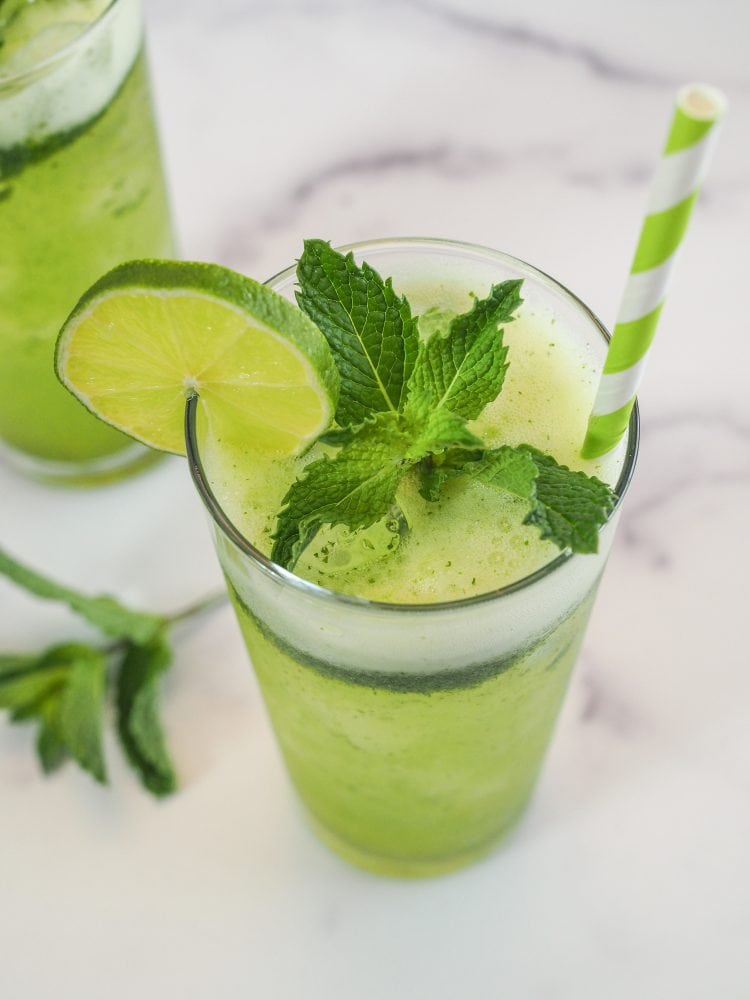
59	55
285	576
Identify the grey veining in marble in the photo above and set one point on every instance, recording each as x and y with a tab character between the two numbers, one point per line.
490	30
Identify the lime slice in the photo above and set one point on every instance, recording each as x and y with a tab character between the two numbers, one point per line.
150	333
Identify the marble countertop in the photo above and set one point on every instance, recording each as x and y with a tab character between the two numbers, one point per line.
532	127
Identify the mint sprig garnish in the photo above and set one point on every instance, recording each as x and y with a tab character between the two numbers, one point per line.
405	403
370	330
64	689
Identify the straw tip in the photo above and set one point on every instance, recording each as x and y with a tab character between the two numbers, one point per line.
702	102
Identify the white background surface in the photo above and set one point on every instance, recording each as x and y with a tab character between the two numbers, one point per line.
531	127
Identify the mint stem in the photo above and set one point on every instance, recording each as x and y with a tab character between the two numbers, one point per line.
202	607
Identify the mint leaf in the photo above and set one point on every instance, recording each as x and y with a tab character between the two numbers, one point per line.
78	721
369	328
505	468
508	469
567	507
20	693
50	749
16	663
435	431
63	688
464	369
138	721
570	507
355	488
104	612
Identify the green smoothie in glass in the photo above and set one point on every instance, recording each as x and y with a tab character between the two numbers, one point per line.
390	477
81	188
414	734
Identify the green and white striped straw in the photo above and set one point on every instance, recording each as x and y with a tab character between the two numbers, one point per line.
683	166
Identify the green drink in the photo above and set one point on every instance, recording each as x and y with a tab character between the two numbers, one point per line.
421	477
81	189
414	697
414	775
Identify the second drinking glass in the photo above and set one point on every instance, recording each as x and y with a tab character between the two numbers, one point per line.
81	189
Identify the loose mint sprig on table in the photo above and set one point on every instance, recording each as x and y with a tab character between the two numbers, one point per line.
64	688
404	405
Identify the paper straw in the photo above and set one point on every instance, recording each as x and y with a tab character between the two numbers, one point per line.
683	166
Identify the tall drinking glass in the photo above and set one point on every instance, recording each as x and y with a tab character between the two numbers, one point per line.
414	734
81	189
